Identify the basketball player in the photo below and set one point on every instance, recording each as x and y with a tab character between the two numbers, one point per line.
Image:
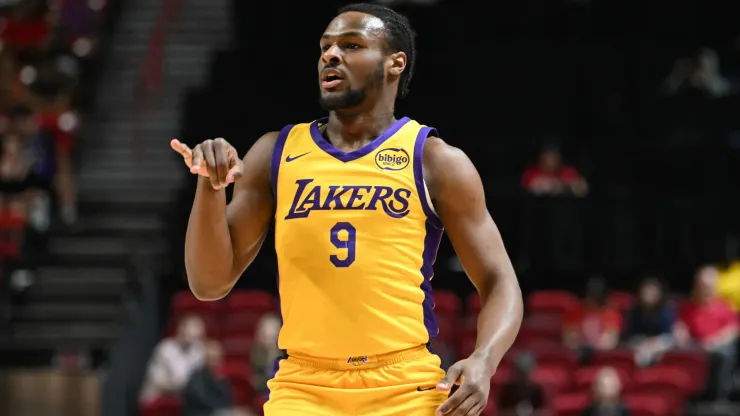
360	201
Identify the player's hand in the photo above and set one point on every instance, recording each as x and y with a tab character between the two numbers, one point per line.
474	379
214	159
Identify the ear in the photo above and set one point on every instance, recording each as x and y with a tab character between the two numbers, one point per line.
397	63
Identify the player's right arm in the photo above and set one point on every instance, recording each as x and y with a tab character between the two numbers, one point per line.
222	240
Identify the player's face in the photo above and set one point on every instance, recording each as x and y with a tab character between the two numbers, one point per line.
354	62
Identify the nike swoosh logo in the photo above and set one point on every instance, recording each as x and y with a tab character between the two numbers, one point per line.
427	389
290	159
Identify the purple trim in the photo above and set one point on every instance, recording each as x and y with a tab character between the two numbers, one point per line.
421	139
275	368
434	231
327	147
431	245
277	155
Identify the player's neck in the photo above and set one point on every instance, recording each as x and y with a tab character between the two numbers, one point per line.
359	127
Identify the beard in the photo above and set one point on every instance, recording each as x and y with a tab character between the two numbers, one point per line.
353	97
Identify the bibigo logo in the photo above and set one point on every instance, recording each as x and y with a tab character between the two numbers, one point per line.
392	159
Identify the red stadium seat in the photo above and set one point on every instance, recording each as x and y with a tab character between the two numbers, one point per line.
554	302
473	304
695	363
448	328
446	304
237	348
185	303
585	376
560	356
647	404
554	377
239	323
252	300
571	404
241	387
672	383
11	235
163	406
623	360
550	326
621	300
536	338
466	347
259	402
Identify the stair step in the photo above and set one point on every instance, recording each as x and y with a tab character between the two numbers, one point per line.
82	245
60	311
118	276
33	335
118	222
78	287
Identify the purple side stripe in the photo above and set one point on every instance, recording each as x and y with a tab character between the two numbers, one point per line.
327	147
434	231
275	368
277	155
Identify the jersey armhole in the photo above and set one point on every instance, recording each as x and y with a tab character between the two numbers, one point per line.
421	186
277	156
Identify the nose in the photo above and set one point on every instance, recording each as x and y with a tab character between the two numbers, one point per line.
333	55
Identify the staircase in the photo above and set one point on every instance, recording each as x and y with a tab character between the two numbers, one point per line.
82	291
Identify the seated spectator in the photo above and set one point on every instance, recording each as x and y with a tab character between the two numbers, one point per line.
649	325
208	391
174	359
709	323
265	351
595	325
521	395
697	75
551	177
607	395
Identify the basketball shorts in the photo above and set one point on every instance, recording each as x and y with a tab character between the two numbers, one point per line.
395	384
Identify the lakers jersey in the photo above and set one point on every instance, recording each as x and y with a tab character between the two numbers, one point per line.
356	238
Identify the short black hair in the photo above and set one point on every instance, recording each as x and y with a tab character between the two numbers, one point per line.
401	38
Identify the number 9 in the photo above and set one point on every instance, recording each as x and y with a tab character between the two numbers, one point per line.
348	244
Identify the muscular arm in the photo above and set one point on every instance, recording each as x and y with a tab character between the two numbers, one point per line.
221	240
457	194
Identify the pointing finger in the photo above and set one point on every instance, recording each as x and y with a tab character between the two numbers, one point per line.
180	148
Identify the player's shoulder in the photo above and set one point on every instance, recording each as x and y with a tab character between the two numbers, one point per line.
439	155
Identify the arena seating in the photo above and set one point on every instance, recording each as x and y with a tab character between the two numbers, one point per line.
654	391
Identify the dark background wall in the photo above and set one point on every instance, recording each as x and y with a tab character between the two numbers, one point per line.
499	79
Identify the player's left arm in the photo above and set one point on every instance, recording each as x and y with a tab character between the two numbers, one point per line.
457	193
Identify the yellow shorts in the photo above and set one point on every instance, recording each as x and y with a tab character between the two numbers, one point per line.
396	384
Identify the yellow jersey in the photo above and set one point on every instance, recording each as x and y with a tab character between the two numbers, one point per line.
356	238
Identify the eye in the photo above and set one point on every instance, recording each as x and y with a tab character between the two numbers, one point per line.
353	46
325	48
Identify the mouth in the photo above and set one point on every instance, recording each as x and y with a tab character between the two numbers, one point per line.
331	78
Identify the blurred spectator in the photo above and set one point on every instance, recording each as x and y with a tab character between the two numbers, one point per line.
699	75
174	360
711	324
649	326
521	395
208	391
551	177
595	325
265	351
728	285
607	395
